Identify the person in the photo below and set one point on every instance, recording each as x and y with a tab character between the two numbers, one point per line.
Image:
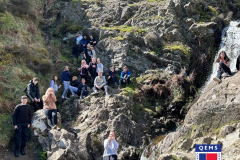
65	79
99	65
110	147
238	64
33	93
83	70
93	52
84	42
77	47
21	122
50	108
54	84
82	89
74	84
112	77
100	83
125	76
93	70
92	41
88	54
223	64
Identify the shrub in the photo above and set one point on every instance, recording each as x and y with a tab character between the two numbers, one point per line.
6	129
31	28
45	67
74	28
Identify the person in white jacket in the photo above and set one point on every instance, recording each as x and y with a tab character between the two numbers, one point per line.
110	147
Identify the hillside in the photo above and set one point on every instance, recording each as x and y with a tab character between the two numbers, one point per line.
168	46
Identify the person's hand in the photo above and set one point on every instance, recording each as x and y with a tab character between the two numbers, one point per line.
15	127
29	125
79	69
35	99
50	93
60	86
124	80
109	77
38	100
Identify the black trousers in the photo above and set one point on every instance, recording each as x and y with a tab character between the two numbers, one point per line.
92	80
49	114
112	80
223	68
40	105
21	134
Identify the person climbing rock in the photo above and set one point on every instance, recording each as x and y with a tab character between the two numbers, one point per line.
82	89
238	64
110	147
32	91
112	77
99	65
50	108
83	70
74	85
100	83
21	122
92	41
88	54
223	64
54	84
93	70
65	80
125	76
77	47
93	52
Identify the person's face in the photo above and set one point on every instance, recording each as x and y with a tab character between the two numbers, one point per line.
112	135
55	78
73	79
92	48
66	68
50	91
83	81
112	69
94	60
85	37
125	69
98	61
35	82
24	101
100	74
83	63
222	55
79	35
91	37
89	46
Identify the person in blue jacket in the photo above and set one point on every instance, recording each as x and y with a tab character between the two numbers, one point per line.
84	42
65	80
125	76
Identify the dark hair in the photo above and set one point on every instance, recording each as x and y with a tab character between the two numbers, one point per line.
225	57
35	79
53	78
79	33
24	97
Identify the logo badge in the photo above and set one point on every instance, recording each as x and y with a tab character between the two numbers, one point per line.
208	152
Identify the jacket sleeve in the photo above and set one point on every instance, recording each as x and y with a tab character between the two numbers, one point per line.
95	81
69	74
121	74
45	98
51	83
15	112
54	98
106	145
29	115
128	74
115	144
29	92
81	42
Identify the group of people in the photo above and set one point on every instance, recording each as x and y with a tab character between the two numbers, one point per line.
223	65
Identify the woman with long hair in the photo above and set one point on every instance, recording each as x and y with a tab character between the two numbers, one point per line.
110	147
223	64
83	70
54	84
50	108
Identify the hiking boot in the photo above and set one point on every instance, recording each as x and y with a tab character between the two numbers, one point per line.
16	153
22	152
217	80
113	86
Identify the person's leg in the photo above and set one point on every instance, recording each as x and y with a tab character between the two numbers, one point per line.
66	87
219	74
105	88
120	81
48	114
128	81
85	93
54	114
225	68
109	81
93	78
73	89
34	104
40	104
17	136
25	131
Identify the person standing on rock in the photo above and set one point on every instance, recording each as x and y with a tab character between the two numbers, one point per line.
83	70
99	65
223	64
54	84
110	147
88	54
100	83
50	108
112	77
65	79
125	76
93	70
32	91
21	122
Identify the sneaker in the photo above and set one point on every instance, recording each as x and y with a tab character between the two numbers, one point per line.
225	75
72	95
84	97
63	97
217	79
81	97
22	152
107	94
16	153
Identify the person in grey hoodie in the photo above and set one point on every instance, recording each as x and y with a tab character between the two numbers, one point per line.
110	147
100	83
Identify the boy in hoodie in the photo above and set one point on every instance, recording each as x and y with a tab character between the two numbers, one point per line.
100	83
125	76
33	94
82	89
112	77
65	79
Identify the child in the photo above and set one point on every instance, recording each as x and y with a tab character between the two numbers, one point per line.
112	77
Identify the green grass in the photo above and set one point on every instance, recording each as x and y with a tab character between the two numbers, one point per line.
6	129
183	48
42	155
213	10
123	29
131	89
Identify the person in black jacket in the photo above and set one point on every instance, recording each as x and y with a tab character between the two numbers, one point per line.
21	122
92	41
238	63
112	77
88	54
93	70
65	79
82	89
33	93
74	85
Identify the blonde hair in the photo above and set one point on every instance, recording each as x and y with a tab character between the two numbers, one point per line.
99	59
125	67
50	88
83	61
74	77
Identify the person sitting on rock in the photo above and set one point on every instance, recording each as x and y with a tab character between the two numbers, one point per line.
110	147
74	85
83	70
125	76
223	64
77	46
65	79
84	42
50	108
99	65
112	77
92	41
54	84
93	52
82	89
33	93
21	122
100	83
238	64
93	70
88	54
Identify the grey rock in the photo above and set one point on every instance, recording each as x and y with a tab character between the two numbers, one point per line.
225	130
186	144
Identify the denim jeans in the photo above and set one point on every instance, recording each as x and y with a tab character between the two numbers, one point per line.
66	87
83	92
112	80
73	89
121	81
223	68
49	114
21	134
